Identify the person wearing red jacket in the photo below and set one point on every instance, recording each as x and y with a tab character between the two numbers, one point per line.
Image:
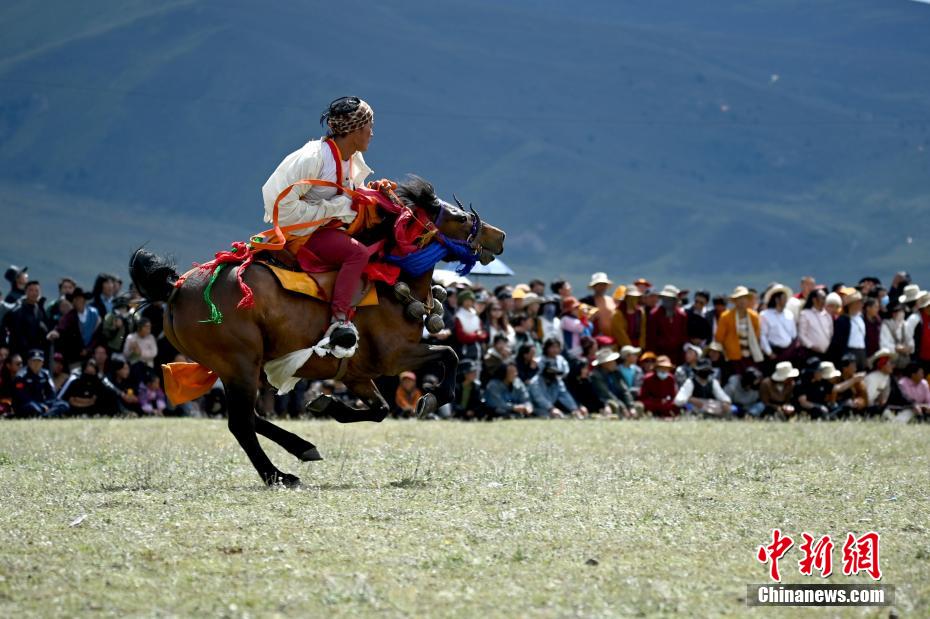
659	389
468	328
668	327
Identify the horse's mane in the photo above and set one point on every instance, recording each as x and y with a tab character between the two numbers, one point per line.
416	191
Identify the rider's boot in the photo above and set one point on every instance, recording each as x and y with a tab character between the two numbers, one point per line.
342	332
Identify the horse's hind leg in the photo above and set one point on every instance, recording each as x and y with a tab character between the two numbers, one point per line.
295	445
241	395
377	409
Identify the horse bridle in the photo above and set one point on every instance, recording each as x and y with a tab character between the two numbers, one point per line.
472	239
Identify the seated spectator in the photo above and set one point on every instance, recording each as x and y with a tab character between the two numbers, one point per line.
407	395
849	392
815	393
743	390
915	390
815	325
88	392
878	381
549	324
506	394
152	399
611	386
33	393
659	389
777	391
527	365
468	329
497	355
631	372
702	393
60	373
468	404
118	375
10	367
547	389
524	334
716	355
686	370
77	329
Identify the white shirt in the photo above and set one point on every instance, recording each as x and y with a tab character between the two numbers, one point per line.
778	329
910	325
815	329
877	384
305	203
856	332
687	389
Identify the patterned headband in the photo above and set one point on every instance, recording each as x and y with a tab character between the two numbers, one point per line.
341	124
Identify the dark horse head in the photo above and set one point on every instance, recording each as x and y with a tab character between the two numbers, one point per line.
452	220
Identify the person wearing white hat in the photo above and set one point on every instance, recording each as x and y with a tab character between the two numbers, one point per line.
610	386
777	391
629	368
738	331
686	370
779	331
878	381
912	293
834	305
849	331
605	304
814	393
667	327
703	394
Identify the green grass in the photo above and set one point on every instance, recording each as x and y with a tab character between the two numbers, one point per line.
447	519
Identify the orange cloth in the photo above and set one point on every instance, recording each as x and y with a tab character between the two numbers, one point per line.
407	401
187	381
728	336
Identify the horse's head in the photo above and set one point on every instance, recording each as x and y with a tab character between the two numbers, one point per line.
453	221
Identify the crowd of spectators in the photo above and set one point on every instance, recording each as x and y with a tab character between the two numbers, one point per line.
530	350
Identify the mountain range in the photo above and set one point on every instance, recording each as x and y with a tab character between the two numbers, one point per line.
711	143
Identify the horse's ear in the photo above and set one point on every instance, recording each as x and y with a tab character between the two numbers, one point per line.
416	191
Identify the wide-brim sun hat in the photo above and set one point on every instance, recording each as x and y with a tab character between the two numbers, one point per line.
630	350
829	371
912	293
605	355
739	292
670	292
784	371
599	278
775	289
664	362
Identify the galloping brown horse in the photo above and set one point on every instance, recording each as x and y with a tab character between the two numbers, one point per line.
282	322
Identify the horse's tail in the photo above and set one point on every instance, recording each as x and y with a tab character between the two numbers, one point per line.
153	276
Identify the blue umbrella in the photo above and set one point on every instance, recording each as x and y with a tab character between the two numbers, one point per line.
496	268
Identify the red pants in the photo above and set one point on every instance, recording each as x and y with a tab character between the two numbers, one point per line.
331	249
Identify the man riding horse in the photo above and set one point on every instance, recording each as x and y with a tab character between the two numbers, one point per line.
336	158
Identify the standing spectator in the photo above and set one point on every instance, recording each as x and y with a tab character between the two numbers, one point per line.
562	288
506	394
631	372
605	304
849	331
523	332
573	327
921	333
59	306
116	325
777	391
151	397
833	305
743	390
18	278
77	329
703	393
9	368
778	329
610	385
910	296
668	326
497	323
468	330
407	395
873	325
719	307
628	326
527	366
700	331
894	337
550	325
659	389
467	404
104	292
27	325
537	287
815	326
796	302
899	285
738	332
33	392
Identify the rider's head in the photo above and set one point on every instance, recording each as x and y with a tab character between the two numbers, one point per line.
351	120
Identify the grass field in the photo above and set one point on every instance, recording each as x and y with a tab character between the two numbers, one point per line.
448	519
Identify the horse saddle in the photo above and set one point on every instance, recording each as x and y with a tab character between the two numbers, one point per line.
320	286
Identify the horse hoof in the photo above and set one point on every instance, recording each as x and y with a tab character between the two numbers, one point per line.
319	405
426	406
284	479
311	455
